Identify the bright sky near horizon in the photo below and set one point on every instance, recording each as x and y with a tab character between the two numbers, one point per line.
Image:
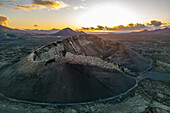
48	14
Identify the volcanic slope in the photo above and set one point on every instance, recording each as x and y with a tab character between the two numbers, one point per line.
78	69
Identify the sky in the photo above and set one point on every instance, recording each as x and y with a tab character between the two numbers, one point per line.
49	14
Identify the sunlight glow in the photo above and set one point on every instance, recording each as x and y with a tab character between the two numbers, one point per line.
107	15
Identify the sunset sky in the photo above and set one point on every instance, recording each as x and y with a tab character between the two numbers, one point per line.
48	14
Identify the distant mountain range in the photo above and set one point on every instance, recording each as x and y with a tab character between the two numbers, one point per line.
36	31
165	31
52	32
7	29
69	32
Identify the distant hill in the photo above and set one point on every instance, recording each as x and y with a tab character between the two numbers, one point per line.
9	33
164	31
7	29
3	28
28	31
68	32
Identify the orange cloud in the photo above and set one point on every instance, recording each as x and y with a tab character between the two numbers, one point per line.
25	7
2	4
4	20
40	4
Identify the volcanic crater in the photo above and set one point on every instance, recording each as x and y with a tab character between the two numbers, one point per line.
78	69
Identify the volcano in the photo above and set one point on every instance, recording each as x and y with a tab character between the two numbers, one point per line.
78	69
68	32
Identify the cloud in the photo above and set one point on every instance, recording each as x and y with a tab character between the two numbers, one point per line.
39	4
136	26
50	3
166	25
119	27
156	23
79	7
130	26
36	25
4	20
2	4
26	7
85	28
99	27
5	9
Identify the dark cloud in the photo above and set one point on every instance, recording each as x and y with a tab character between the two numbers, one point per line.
130	26
139	26
92	28
85	28
36	25
99	27
156	23
119	27
4	20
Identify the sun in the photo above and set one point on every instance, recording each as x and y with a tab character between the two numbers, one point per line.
107	15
